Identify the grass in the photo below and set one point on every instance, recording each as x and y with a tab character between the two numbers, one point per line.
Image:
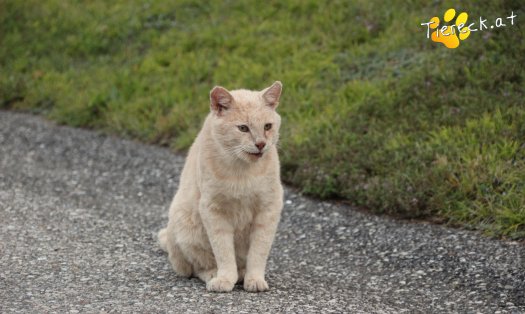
373	112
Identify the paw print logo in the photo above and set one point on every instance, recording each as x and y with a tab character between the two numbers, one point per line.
450	35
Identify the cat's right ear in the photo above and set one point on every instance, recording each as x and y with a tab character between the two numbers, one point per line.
272	94
220	100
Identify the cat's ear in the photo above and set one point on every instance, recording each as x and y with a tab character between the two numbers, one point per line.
272	94
220	100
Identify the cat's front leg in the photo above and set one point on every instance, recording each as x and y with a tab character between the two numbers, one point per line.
220	233
263	230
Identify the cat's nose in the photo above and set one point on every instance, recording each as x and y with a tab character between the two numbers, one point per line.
260	145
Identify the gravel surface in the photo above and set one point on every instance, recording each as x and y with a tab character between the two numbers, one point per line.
79	212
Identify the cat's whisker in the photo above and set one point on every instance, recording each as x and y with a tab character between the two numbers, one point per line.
234	151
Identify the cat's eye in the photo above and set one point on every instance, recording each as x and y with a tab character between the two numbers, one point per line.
267	126
243	128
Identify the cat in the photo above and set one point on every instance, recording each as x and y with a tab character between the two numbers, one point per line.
224	216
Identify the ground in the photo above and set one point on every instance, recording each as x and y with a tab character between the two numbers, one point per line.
80	211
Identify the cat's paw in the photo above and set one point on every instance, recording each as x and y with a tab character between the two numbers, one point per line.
220	284
207	275
255	284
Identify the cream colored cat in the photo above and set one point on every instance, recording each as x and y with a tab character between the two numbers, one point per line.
224	216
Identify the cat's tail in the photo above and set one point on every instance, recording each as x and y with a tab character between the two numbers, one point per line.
163	239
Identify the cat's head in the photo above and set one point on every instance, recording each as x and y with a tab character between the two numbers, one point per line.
245	123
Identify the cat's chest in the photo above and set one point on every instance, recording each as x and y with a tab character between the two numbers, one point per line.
240	199
243	190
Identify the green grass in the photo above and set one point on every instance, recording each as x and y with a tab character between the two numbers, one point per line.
373	112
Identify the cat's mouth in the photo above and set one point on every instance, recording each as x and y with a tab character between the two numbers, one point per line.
257	155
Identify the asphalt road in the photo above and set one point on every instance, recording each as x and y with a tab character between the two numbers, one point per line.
79	212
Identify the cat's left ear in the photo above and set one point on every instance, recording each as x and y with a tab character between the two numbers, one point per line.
272	94
220	100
